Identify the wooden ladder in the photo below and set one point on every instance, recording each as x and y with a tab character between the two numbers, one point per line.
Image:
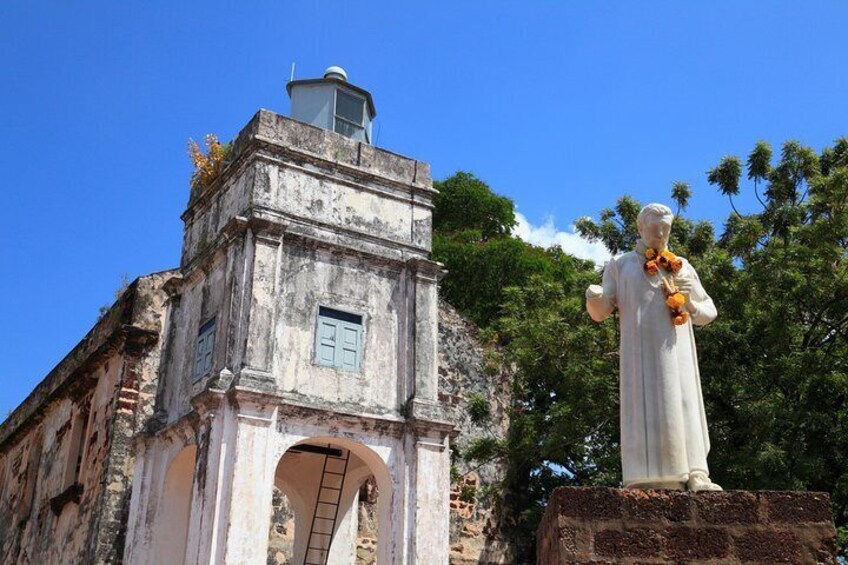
326	509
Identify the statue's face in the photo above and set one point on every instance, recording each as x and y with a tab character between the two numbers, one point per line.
655	231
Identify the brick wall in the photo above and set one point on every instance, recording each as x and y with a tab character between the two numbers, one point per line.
603	525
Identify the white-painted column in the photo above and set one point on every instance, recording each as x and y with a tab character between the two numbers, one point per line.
255	322
430	488
426	326
232	504
138	531
212	449
262	303
153	460
250	481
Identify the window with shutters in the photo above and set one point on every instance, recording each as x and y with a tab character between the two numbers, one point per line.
205	346
338	340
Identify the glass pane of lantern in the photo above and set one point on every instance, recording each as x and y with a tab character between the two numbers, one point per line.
349	107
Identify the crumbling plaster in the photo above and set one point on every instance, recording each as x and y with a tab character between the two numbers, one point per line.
49	513
301	217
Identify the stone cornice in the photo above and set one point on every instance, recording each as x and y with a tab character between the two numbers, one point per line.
427	270
305	143
183	430
270	224
281	156
294	407
263	229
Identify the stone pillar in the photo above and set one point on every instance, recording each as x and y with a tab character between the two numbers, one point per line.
231	517
154	457
107	545
426	328
251	484
211	453
256	324
427	445
138	531
430	489
583	525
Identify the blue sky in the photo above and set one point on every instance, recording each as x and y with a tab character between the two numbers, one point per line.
562	106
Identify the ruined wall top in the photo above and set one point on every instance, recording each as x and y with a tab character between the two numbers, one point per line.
133	321
285	176
311	143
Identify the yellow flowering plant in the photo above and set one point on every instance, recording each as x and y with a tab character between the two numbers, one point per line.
207	166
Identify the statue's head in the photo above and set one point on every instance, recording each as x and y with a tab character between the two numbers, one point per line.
654	224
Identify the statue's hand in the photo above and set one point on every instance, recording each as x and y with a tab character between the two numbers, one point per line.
684	283
594	291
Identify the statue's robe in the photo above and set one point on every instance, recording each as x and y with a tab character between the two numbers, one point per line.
663	426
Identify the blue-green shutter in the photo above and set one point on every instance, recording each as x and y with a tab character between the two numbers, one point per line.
338	341
349	338
325	342
205	348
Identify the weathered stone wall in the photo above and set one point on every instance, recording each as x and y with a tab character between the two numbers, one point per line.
322	278
304	217
281	535
604	525
199	298
302	172
301	218
53	510
367	523
468	368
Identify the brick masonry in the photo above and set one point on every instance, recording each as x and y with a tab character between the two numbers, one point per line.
604	525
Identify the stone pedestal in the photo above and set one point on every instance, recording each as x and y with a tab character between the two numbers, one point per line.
604	525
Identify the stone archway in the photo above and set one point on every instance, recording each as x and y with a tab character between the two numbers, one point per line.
304	512
172	518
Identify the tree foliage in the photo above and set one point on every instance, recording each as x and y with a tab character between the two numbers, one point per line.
617	227
776	360
564	417
465	203
774	364
564	422
472	237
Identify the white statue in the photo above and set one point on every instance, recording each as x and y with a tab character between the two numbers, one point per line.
664	440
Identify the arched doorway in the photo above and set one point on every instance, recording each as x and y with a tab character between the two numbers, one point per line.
172	519
316	514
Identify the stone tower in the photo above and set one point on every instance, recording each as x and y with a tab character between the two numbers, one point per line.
299	352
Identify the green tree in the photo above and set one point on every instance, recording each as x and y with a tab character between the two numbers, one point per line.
681	192
472	236
726	176
564	416
617	227
564	422
774	364
465	203
776	359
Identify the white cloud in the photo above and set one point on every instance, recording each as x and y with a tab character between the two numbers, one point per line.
570	241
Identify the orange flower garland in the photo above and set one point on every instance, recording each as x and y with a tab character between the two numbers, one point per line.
657	261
